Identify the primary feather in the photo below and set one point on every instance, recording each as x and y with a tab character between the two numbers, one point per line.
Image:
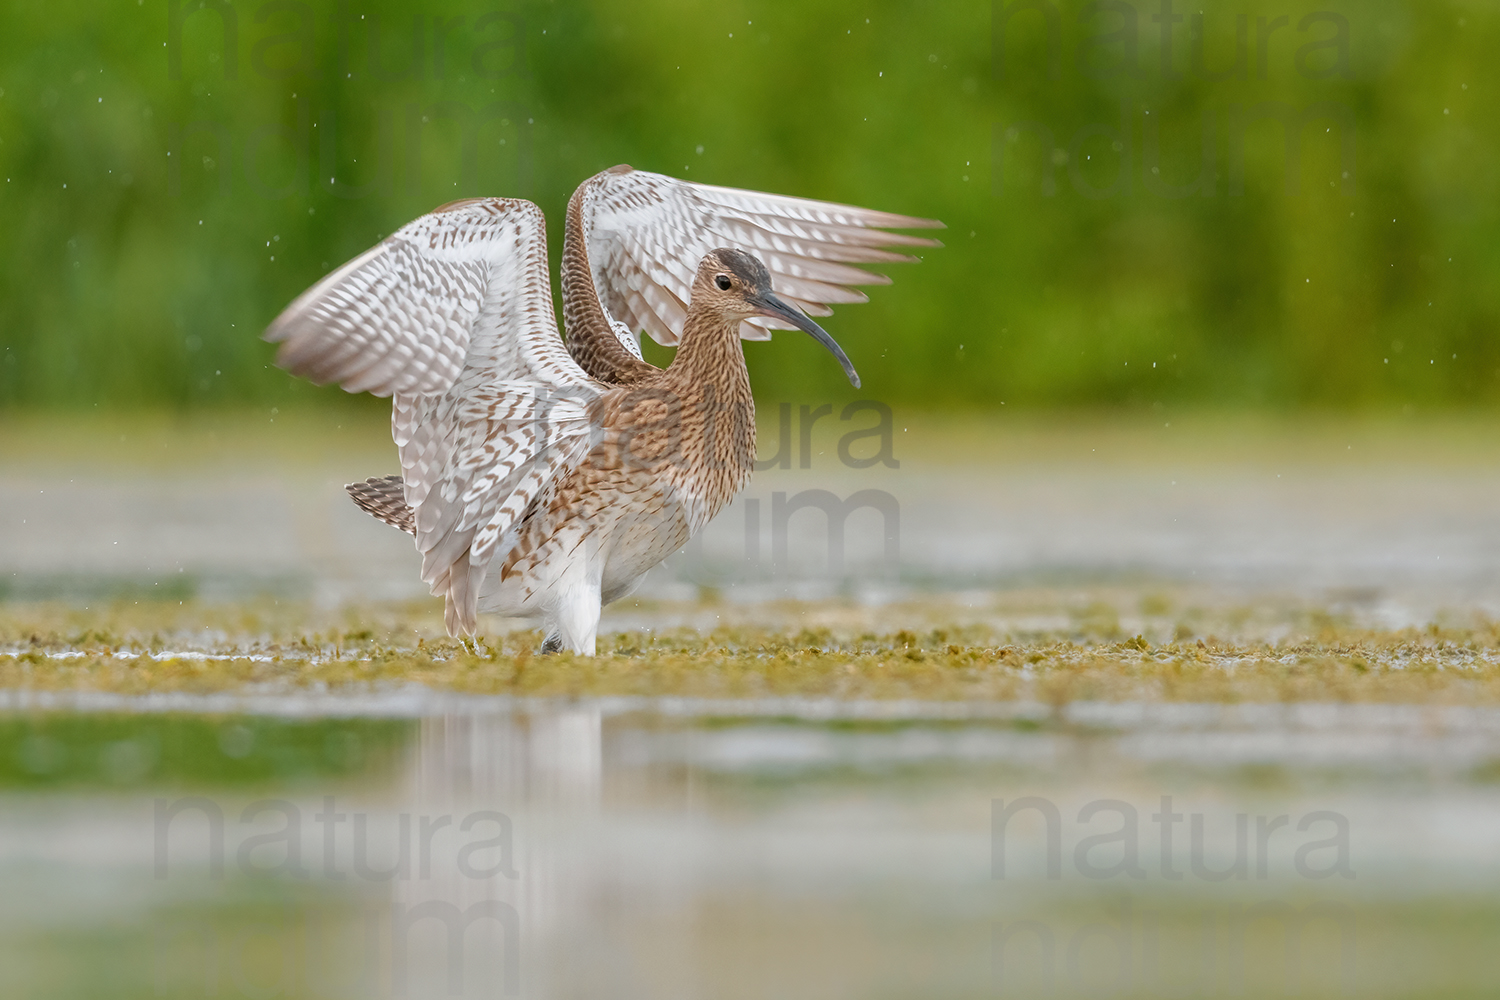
646	232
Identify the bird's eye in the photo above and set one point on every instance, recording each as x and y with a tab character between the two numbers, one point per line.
723	282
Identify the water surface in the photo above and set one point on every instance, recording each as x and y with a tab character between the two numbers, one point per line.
790	849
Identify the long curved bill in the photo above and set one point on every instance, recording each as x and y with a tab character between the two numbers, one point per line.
769	305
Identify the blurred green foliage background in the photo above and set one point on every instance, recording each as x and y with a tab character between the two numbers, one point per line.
166	182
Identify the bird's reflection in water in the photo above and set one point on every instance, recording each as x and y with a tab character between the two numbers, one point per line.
520	791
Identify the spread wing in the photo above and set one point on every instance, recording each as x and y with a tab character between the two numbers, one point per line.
646	233
452	315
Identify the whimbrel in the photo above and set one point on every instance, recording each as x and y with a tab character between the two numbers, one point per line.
543	480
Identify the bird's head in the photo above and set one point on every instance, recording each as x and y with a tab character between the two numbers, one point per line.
736	286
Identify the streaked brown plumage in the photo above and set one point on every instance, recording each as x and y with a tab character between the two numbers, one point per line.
544	482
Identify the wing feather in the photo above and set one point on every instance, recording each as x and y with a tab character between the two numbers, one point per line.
452	316
646	233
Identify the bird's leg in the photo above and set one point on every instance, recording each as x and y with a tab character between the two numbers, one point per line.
578	619
573	619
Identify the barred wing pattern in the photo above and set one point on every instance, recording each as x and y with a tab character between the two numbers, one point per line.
647	232
384	498
452	315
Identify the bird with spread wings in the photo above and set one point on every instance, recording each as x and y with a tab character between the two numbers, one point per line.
509	438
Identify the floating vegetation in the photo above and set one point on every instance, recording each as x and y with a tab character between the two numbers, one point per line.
810	651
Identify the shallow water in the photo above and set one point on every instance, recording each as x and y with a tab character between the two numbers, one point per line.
1396	518
786	848
407	841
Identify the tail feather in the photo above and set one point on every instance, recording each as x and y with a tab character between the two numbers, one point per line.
384	498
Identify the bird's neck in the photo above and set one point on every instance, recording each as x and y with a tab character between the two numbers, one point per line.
709	354
709	378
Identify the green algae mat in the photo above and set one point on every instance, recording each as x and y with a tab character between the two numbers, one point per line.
1034	646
